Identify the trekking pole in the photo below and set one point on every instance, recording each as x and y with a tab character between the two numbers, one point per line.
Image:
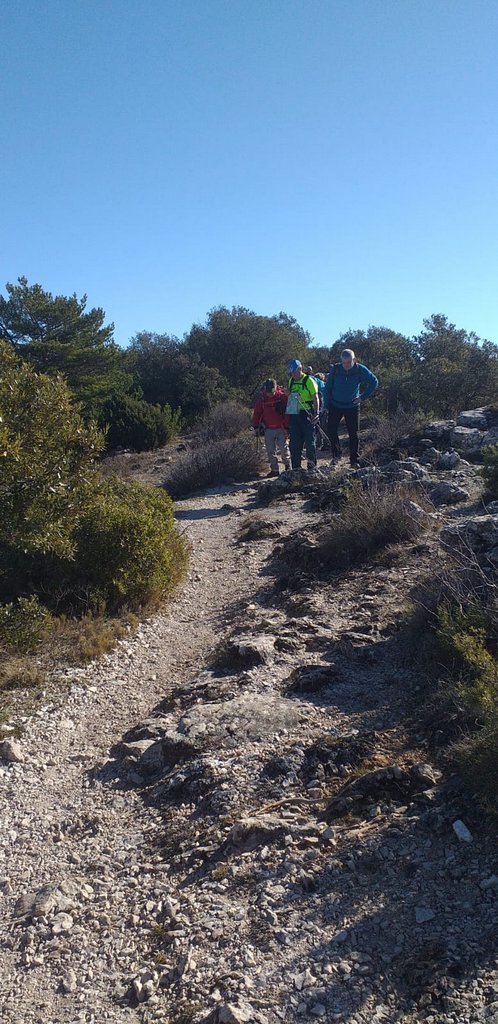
320	431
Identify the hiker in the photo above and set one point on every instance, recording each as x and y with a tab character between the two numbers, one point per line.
342	397
302	410
269	412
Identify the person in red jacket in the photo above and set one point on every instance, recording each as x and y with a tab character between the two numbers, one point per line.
269	411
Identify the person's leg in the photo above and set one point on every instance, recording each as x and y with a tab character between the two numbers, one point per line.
334	418
352	417
296	441
271	446
283	446
309	440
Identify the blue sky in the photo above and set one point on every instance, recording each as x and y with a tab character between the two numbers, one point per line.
333	159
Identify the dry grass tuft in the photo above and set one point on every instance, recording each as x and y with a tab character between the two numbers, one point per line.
371	519
226	461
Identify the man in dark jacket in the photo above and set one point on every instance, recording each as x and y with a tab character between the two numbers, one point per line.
269	411
342	397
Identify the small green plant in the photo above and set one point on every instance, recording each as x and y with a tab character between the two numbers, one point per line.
477	760
23	623
464	642
489	470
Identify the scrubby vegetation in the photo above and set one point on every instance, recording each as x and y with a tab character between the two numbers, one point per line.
464	618
215	463
70	541
490	470
371	518
131	423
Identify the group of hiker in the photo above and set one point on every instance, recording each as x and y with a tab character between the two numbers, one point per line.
311	404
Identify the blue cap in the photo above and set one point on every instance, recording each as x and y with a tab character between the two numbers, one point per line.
294	365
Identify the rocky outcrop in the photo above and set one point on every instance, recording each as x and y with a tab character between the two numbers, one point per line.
477	535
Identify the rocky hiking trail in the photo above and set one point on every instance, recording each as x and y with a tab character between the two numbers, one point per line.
232	817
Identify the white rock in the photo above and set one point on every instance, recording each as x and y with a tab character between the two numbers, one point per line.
62	923
69	981
462	831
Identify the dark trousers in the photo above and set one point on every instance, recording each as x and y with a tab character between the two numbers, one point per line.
352	418
301	433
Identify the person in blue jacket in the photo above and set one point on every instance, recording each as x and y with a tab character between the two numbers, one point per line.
342	397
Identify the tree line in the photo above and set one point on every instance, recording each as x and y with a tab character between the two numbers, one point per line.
141	395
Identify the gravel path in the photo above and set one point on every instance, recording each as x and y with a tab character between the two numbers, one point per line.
123	901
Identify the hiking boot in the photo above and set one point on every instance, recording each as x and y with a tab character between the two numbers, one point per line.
354	463
273	472
310	466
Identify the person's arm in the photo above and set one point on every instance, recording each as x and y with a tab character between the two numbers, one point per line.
371	381
313	386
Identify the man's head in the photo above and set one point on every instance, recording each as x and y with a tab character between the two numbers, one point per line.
295	368
347	358
308	369
270	385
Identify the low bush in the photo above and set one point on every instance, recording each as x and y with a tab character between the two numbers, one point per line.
490	469
20	674
477	759
216	463
371	518
128	552
47	456
226	420
23	623
461	612
389	430
132	423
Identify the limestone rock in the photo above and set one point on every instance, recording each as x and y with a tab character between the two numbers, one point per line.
473	418
446	493
479	533
252	650
466	438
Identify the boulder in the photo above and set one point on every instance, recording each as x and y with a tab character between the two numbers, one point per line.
405	470
466	438
448	460
430	456
479	533
248	649
439	430
473	418
446	493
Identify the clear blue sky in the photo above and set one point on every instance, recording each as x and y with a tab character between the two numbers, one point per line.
334	159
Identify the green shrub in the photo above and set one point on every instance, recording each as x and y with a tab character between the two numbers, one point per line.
490	469
464	639
23	623
219	462
46	459
477	759
128	552
370	519
132	423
